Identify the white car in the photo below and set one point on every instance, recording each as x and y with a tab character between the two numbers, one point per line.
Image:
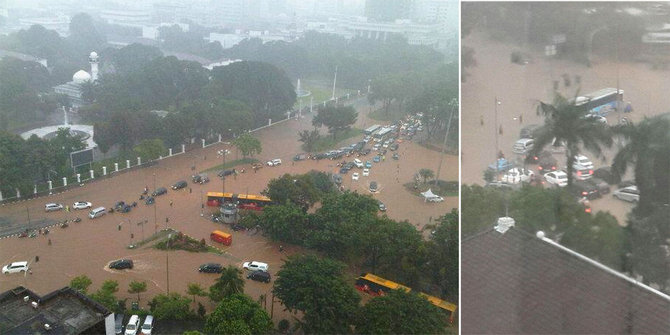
354	176
518	175
435	199
358	163
274	162
52	207
582	163
366	172
15	267
255	266
81	205
630	194
558	178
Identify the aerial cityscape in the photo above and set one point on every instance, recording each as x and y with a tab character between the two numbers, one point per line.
229	167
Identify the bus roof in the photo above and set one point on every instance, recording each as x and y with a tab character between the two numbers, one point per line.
220	233
599	94
239	196
386	283
439	302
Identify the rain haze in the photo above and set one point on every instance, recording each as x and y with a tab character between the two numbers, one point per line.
564	167
221	165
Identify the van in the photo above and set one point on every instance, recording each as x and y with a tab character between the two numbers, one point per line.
148	325
358	163
255	266
118	323
97	212
523	146
221	237
133	325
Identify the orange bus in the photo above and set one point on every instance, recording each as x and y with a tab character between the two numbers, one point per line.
375	285
243	201
221	237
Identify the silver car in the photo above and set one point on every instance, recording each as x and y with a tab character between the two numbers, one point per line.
630	194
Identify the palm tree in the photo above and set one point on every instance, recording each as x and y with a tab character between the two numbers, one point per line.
567	123
230	282
645	144
426	173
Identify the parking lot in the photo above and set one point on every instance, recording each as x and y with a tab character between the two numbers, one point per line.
88	246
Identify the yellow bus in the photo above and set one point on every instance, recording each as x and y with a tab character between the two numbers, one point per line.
243	201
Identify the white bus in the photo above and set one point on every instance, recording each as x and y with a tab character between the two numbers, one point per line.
372	129
382	133
601	101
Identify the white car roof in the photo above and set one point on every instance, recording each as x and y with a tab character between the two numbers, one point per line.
560	174
24	263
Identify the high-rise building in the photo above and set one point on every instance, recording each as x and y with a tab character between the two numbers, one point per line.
388	11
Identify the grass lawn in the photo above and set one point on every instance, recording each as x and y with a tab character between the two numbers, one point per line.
231	164
320	92
327	142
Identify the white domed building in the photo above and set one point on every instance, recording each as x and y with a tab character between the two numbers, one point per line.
72	89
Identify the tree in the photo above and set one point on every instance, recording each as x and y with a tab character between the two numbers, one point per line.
81	283
444	251
238	314
171	307
645	143
137	287
426	173
248	145
194	289
296	189
336	118
309	139
230	282
105	295
317	287
150	149
84	33
419	316
567	123
284	222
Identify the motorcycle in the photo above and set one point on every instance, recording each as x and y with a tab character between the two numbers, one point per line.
64	225
77	220
23	234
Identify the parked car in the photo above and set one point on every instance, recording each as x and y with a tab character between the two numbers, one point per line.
211	268
150	201
274	162
118	323
373	186
377	159
368	164
148	325
629	193
583	189
501	164
382	207
261	276
121	264
358	163
226	173
601	185
200	178
393	147
366	172
558	178
365	152
545	161
52	207
344	170
133	325
159	191
254	266
518	175
523	146
435	199
179	185
300	157
583	174
582	163
15	267
81	205
355	176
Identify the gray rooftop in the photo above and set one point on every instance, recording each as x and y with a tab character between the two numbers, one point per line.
66	311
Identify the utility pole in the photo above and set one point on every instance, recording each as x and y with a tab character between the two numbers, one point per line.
453	104
155	205
167	263
495	125
334	81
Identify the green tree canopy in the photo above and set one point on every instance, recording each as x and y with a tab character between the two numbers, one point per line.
335	118
248	145
238	314
137	287
419	316
317	287
171	307
230	282
81	283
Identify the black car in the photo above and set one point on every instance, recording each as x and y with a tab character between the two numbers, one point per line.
344	170
150	200
124	209
226	173
238	227
211	268
365	151
159	191
393	147
382	207
261	276
585	189
121	264
373	186
179	185
200	178
119	205
320	156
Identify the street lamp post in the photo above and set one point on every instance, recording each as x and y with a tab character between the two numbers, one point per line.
155	205
497	102
167	263
453	104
